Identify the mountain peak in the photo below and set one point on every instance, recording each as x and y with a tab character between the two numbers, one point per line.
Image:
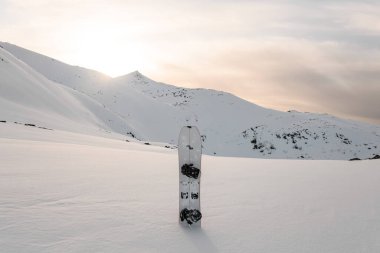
136	72
133	77
137	75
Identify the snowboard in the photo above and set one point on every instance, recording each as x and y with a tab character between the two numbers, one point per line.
189	156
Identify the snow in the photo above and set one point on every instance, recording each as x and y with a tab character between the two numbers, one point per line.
26	96
75	175
43	91
69	192
57	71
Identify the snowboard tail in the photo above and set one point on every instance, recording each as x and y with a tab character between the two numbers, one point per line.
190	216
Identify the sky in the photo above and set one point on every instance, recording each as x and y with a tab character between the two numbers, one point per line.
315	56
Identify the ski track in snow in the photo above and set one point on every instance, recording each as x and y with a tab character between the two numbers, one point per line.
58	196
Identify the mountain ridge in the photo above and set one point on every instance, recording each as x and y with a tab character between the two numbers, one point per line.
230	126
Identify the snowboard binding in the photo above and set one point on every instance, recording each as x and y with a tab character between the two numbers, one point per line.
194	195
184	195
190	171
191	216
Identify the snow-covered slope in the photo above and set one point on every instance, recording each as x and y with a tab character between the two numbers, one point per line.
27	97
75	193
73	76
229	125
234	127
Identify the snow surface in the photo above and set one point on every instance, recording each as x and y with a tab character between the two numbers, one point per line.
69	192
39	90
27	97
75	175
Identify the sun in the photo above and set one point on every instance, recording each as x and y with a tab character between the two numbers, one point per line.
108	49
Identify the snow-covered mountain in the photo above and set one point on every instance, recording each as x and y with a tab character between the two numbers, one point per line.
141	108
27	97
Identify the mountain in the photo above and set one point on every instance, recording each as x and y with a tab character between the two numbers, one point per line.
149	111
27	97
57	71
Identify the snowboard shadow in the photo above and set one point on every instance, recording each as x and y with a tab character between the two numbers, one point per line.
200	239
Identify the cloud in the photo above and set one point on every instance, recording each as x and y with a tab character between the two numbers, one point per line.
292	74
320	56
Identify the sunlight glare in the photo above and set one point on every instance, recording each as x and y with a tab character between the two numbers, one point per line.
102	47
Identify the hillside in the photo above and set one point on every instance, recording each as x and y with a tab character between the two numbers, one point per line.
27	97
57	71
154	112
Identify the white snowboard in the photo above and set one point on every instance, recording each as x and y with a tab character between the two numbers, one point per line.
189	152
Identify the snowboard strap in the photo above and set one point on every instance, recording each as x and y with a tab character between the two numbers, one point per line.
191	216
190	171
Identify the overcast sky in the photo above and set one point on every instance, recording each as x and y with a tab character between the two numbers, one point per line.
317	56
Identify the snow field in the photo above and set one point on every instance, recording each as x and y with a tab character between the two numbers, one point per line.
70	193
